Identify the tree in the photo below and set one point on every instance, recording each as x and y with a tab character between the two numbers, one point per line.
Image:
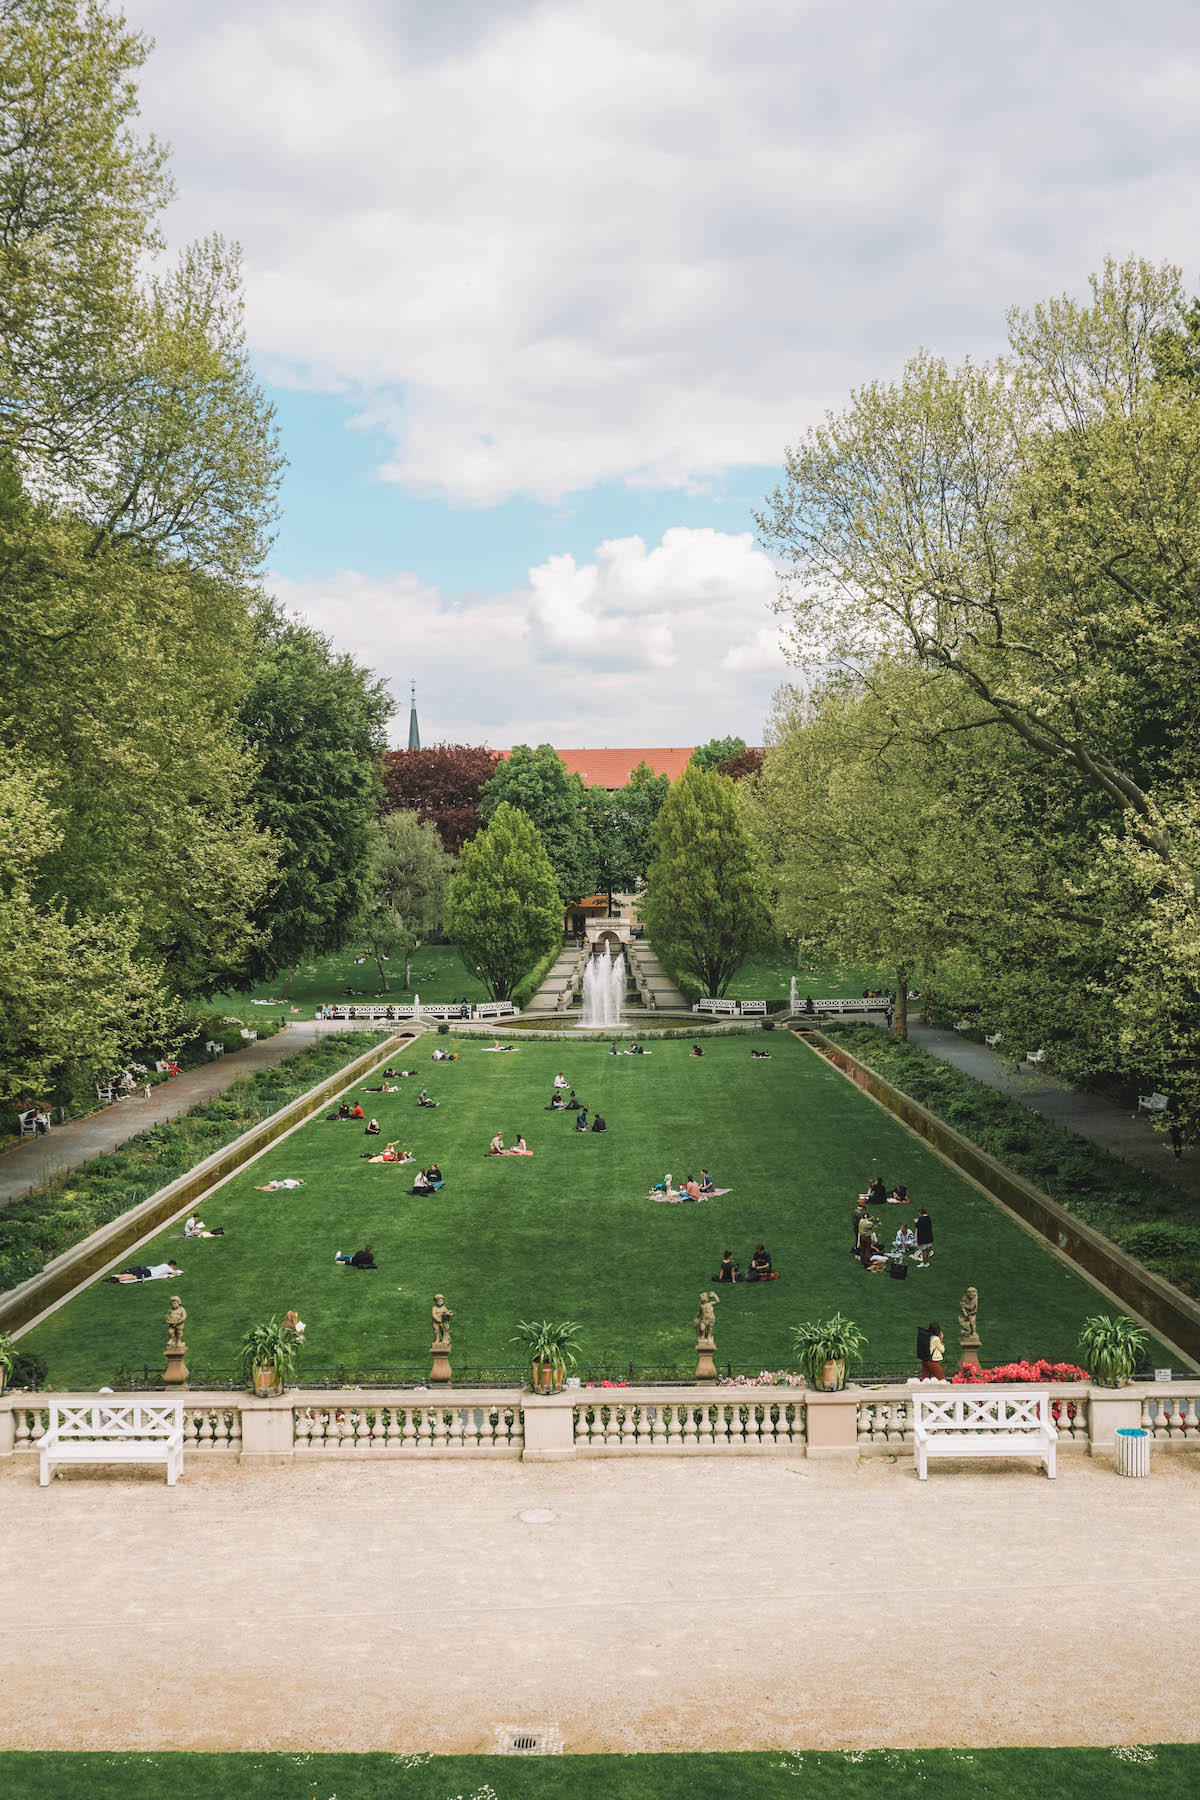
716	752
408	879
746	764
556	801
442	783
621	823
75	998
703	906
316	722
504	910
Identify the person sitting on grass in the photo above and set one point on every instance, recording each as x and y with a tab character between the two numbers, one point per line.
761	1268
556	1103
520	1148
691	1188
876	1194
496	1147
435	1175
269	1187
356	1111
343	1112
362	1259
372	1128
905	1240
148	1272
572	1103
421	1183
899	1196
581	1121
424	1100
761	1055
729	1270
612	1048
598	1124
696	1050
707	1185
635	1050
196	1228
560	1080
295	1326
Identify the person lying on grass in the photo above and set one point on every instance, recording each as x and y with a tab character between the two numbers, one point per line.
148	1272
386	1088
444	1056
424	1100
492	1048
760	1055
390	1154
269	1187
362	1259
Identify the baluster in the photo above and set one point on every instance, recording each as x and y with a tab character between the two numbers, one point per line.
724	1426
705	1432
21	1432
1191	1425
674	1427
689	1427
866	1421
1175	1415
514	1422
233	1427
612	1426
408	1435
441	1434
425	1431
1146	1421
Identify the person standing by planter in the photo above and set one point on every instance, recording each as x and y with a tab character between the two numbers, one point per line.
924	1234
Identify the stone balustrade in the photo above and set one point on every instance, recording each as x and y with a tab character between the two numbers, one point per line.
667	1420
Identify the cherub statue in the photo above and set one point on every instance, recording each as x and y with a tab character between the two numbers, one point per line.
442	1316
968	1310
175	1317
706	1318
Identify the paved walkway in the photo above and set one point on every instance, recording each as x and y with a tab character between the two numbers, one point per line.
681	1604
1134	1140
31	1163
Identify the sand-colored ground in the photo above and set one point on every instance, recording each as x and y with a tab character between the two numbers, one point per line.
633	1606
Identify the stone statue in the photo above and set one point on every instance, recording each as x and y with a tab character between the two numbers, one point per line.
968	1311
442	1316
175	1317
706	1318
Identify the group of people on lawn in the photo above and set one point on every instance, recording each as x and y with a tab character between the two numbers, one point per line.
914	1242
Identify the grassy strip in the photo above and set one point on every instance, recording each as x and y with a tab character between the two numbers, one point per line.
1147	1217
68	1208
1168	1771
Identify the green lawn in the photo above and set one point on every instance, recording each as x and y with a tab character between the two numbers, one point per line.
324	983
1158	1772
768	976
569	1233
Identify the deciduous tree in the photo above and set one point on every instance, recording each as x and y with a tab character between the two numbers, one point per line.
443	784
556	800
408	880
504	910
704	906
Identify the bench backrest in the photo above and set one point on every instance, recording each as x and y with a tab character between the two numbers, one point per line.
983	1412
753	1006
103	1419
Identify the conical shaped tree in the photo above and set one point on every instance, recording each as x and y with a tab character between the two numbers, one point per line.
504	911
703	908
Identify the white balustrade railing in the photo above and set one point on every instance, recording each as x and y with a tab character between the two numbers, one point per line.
633	1421
684	1419
457	1425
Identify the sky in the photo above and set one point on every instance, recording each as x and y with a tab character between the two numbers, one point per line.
541	290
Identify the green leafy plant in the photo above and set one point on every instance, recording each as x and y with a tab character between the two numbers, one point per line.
819	1341
7	1356
1111	1347
548	1342
269	1346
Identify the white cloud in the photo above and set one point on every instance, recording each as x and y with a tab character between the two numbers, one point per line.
549	244
642	646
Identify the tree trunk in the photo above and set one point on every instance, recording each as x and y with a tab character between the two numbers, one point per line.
900	1013
383	980
287	986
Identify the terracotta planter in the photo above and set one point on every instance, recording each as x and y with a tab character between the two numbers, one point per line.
833	1377
546	1378
264	1382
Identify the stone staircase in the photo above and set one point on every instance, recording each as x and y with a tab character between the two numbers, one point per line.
656	990
554	995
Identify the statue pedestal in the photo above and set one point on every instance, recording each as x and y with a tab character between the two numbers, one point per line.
176	1372
706	1368
969	1348
441	1370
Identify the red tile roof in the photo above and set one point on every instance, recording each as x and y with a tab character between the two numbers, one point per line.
612	768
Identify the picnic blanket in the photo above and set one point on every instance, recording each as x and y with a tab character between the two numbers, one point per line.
679	1198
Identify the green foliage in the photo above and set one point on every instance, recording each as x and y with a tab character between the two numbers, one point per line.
7	1353
704	909
532	980
549	1341
716	752
504	908
68	1208
408	881
1111	1347
269	1346
556	801
316	721
622	825
819	1341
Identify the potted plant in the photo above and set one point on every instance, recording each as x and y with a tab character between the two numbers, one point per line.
268	1358
823	1348
1111	1348
551	1348
7	1357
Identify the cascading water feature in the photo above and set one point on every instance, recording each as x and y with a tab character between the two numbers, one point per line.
792	999
603	989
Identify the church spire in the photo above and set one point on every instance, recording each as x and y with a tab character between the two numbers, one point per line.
414	730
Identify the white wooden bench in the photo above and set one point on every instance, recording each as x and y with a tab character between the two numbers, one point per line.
967	1423
716	1006
137	1432
1153	1103
1035	1056
993	1038
749	1007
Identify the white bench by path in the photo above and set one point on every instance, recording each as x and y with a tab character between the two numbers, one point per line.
1153	1103
138	1432
968	1423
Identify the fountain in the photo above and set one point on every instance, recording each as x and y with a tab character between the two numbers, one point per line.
603	989
792	1000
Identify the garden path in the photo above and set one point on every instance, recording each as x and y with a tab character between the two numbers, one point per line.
1134	1140
635	1604
33	1162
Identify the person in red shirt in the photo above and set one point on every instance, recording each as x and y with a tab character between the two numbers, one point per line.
357	1111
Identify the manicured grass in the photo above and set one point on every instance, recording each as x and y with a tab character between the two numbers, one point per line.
768	976
569	1232
324	983
1157	1772
1150	1218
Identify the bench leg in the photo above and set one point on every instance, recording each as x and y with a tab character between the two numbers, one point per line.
44	1471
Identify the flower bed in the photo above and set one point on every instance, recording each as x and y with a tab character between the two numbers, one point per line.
970	1374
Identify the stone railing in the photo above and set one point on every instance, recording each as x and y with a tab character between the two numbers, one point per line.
668	1420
